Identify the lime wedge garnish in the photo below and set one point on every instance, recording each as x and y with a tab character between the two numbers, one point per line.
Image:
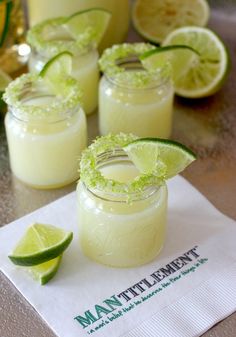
4	81
155	19
44	272
207	72
95	19
40	243
161	157
56	70
179	56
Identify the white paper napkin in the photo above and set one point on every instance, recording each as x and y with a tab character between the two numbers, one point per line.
186	290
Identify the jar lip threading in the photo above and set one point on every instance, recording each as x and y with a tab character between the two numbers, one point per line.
102	149
31	87
135	77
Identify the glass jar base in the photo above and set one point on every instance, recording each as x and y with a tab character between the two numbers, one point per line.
47	187
122	265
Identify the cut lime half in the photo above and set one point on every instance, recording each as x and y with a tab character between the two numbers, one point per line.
40	243
179	56
94	20
44	272
155	19
206	73
161	157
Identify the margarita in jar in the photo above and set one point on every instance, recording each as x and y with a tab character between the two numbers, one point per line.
122	204
118	26
78	34
46	131
131	98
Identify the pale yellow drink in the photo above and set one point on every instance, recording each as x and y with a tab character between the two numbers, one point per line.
116	232
118	27
84	69
45	135
133	99
146	112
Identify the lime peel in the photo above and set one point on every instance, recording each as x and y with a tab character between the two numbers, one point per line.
44	272
177	56
160	157
40	243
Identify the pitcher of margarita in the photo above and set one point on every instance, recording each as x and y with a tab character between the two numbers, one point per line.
117	29
46	133
131	98
51	37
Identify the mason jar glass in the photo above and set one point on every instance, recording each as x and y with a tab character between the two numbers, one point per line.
145	109
45	45
45	135
121	229
118	26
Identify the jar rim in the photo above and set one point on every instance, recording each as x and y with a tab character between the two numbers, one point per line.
102	149
140	79
122	66
25	88
147	193
39	41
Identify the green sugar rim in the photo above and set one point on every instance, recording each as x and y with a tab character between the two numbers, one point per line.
81	45
69	101
92	177
108	64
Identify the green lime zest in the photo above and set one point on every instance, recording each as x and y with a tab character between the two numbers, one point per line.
112	57
61	102
78	33
91	176
50	38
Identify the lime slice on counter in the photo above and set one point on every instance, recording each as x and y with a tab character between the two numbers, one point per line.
96	19
5	79
44	272
56	70
40	243
155	19
161	157
179	56
207	72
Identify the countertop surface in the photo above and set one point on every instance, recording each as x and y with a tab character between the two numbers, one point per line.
207	126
